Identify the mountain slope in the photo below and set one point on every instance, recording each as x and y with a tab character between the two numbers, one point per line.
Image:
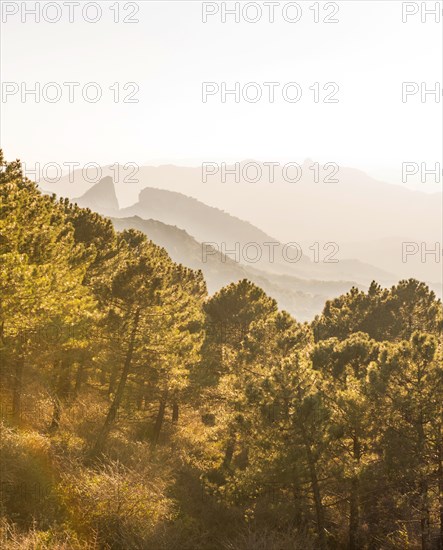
234	238
357	212
303	298
242	241
101	197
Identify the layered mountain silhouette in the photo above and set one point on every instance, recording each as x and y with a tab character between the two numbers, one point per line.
233	237
355	208
302	298
359	221
301	288
100	198
241	240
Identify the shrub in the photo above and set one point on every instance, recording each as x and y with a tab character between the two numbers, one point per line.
121	505
27	480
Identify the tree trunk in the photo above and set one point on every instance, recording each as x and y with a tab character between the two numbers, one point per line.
423	485
61	390
298	501
159	420
56	413
354	501
229	451
175	411
79	377
353	515
319	511
424	519
116	402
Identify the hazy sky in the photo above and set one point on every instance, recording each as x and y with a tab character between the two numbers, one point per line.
170	52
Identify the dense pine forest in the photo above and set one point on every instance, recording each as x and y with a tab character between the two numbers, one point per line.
140	413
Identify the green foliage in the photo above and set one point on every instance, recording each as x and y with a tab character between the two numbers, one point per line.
140	413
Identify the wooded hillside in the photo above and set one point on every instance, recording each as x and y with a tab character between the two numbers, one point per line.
138	413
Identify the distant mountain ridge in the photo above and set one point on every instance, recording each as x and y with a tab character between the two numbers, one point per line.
356	207
101	197
235	238
303	298
300	288
181	224
369	219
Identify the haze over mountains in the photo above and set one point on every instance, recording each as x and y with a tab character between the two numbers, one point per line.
358	221
303	298
302	210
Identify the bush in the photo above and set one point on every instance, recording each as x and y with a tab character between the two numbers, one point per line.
27	480
12	539
121	505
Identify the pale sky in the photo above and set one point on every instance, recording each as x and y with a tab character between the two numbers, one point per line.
170	52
